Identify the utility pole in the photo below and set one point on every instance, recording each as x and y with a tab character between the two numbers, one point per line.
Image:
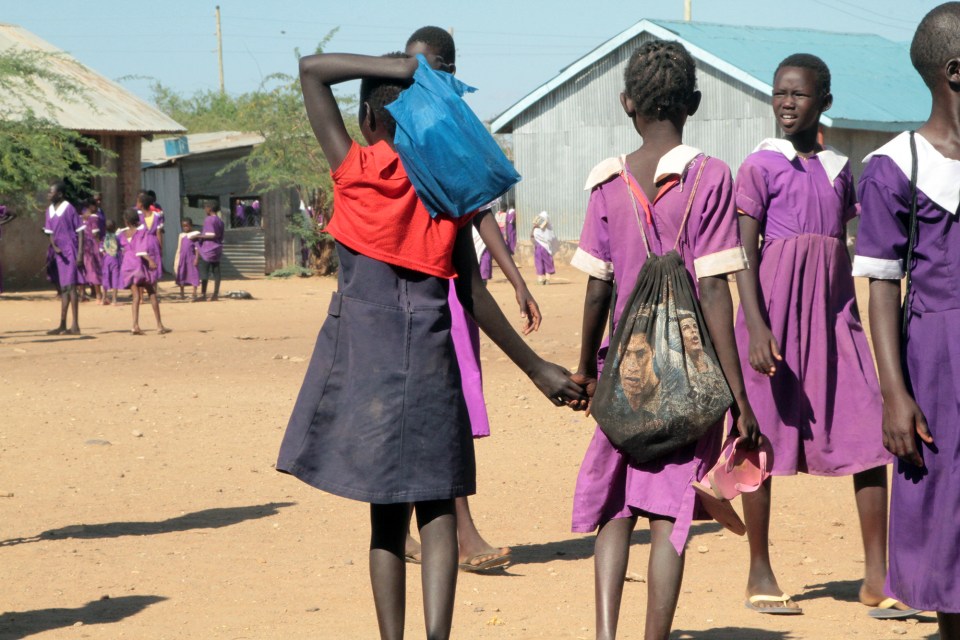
220	50
687	10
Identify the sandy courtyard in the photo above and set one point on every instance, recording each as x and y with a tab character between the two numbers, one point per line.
138	497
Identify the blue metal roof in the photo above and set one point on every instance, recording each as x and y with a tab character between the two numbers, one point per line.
873	83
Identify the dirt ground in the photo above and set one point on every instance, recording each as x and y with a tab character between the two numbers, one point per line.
139	498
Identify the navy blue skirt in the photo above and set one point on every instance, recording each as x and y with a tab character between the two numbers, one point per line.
381	415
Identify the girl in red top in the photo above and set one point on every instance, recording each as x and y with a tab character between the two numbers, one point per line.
381	416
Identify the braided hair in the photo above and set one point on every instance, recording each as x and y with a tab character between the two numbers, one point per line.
936	41
377	93
813	63
661	79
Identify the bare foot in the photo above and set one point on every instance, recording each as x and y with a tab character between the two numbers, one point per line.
136	331
214	298
73	331
56	332
162	330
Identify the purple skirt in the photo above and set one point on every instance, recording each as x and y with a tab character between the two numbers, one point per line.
821	411
466	342
110	272
925	502
542	260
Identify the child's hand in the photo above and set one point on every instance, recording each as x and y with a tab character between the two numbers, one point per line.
747	425
764	351
554	382
589	385
529	311
903	421
151	263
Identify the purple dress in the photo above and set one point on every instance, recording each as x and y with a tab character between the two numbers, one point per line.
110	256
211	248
610	485
91	250
821	411
155	226
925	502
133	269
466	344
64	223
187	272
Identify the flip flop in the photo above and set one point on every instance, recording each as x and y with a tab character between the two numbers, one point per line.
782	610
412	558
739	470
719	509
498	560
887	610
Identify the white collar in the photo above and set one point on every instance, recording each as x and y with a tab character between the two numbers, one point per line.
673	162
832	160
938	177
59	209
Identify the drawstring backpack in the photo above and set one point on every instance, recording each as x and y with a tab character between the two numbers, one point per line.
911	247
454	164
662	386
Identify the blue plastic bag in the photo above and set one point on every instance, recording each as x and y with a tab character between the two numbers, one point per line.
454	163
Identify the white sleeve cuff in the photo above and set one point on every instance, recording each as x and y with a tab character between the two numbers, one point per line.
81	228
592	265
878	268
715	264
47	231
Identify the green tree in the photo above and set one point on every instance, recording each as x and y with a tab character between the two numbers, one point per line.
34	149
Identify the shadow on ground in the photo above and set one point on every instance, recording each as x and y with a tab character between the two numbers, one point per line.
206	519
732	633
20	624
582	547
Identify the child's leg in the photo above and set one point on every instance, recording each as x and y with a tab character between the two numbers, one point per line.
194	292
75	311
115	296
388	527
64	305
181	292
473	548
135	307
437	522
756	515
871	493
664	577
611	552
216	281
949	626
155	305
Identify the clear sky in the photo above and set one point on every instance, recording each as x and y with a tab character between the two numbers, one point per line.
505	48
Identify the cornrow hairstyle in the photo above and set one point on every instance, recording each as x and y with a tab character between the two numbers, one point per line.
812	62
936	41
377	93
437	39
661	78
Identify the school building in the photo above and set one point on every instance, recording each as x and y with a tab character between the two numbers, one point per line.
187	171
568	124
104	111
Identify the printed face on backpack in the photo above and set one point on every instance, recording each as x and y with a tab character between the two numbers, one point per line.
796	104
637	376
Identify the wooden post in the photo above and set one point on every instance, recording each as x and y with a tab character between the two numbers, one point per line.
220	50
687	10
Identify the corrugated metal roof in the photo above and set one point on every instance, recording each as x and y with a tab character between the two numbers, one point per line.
155	152
884	95
104	106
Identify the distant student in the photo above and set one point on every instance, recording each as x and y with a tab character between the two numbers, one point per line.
921	414
110	257
545	245
476	554
381	416
64	228
138	272
644	188
507	221
6	216
812	382
150	215
91	248
187	258
210	250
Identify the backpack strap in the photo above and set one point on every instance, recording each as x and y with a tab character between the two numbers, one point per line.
693	192
637	196
911	239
